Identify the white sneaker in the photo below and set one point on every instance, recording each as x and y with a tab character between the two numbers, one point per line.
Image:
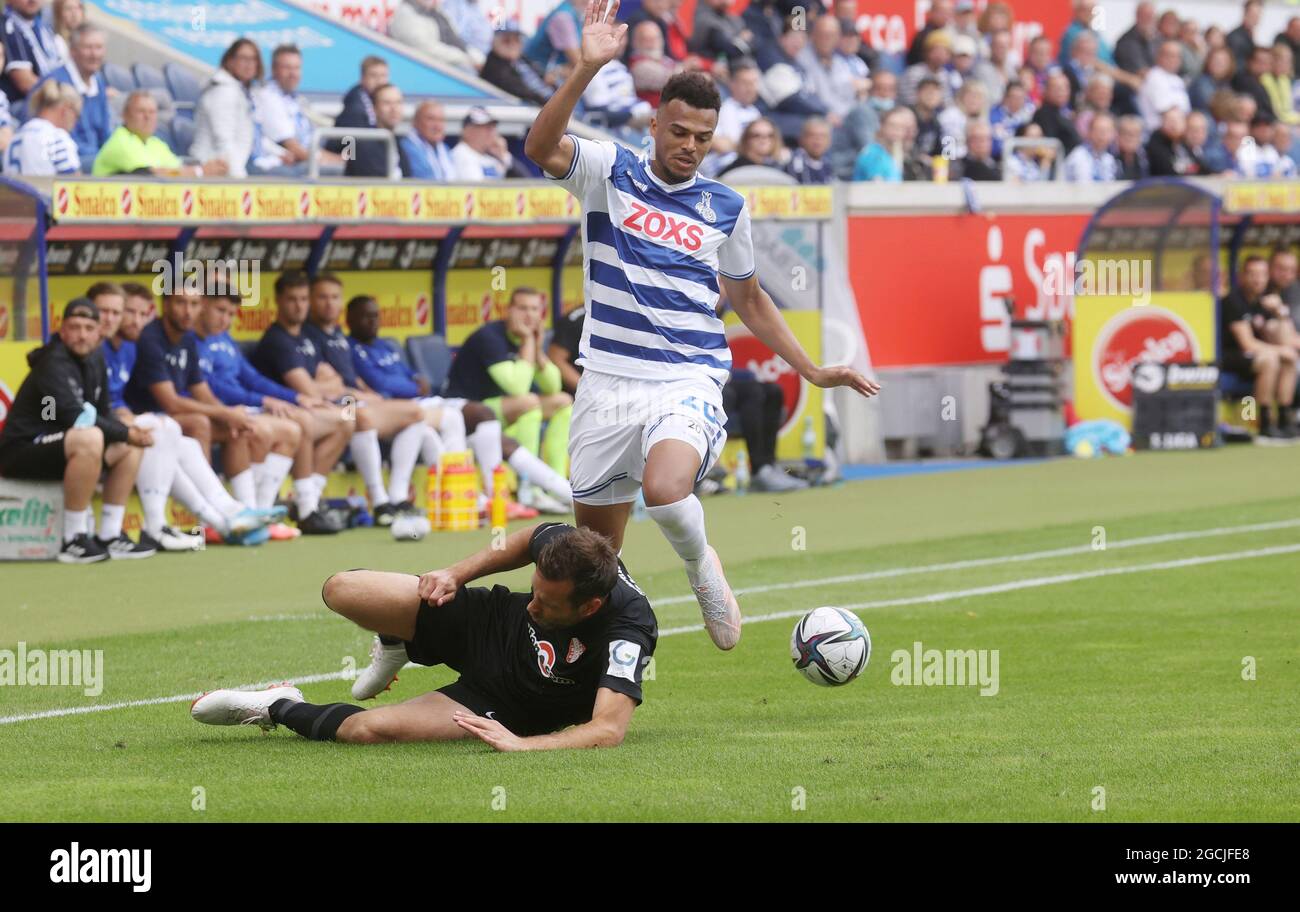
242	707
546	503
385	663
174	540
718	604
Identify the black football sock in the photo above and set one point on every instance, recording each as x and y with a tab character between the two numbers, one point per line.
390	641
319	723
1265	418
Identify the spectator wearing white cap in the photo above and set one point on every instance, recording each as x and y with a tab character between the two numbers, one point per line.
965	54
481	153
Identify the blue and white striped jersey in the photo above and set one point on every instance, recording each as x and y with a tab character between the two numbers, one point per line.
651	258
40	148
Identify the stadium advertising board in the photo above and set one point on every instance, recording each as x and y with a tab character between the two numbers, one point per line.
931	289
31	526
802	399
1112	336
890	25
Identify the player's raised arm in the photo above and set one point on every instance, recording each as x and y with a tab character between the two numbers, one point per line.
759	313
602	38
439	586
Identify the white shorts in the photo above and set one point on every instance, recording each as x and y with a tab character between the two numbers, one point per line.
616	420
428	403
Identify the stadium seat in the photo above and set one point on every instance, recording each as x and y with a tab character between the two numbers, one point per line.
148	76
182	134
120	78
431	357
164	132
184	86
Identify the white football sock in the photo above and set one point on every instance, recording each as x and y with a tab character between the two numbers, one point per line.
370	463
529	467
154	480
75	522
318	482
451	428
274	471
199	471
245	488
682	523
110	521
306	496
486	443
402	456
431	448
187	493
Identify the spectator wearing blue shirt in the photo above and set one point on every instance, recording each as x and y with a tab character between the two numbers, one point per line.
882	160
558	37
425	155
30	48
83	73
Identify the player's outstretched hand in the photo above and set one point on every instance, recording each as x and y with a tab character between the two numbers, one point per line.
827	377
437	587
601	35
489	731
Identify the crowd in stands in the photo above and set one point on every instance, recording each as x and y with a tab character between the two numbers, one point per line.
803	94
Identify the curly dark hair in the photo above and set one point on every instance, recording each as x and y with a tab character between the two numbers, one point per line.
694	88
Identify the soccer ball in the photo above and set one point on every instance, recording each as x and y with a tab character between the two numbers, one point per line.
830	646
409	527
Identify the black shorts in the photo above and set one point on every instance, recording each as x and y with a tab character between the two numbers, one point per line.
471	634
41	459
1236	362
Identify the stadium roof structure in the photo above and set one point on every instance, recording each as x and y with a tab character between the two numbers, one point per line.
1159	215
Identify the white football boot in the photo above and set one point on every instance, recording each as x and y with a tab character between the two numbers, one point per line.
242	707
718	604
378	676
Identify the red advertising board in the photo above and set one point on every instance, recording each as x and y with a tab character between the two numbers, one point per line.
931	289
890	25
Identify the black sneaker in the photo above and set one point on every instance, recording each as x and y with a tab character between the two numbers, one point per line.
319	523
408	508
82	550
386	513
122	548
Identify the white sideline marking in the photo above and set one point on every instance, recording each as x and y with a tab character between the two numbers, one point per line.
931	598
1004	559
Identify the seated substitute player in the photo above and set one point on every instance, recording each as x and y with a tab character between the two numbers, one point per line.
61	427
382	370
402	421
1254	328
166	378
659	240
500	365
193	482
302	443
570	653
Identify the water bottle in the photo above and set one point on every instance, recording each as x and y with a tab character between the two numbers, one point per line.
638	507
742	472
87	417
809	441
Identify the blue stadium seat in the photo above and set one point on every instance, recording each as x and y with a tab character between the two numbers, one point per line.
182	135
184	86
148	76
431	357
119	77
164	132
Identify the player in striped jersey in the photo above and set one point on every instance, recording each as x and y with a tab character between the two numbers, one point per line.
660	243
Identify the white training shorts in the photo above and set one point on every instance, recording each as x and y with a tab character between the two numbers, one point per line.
429	403
616	420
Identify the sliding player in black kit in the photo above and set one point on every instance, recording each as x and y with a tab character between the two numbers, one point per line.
558	667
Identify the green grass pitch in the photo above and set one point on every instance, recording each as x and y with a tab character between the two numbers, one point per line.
1119	669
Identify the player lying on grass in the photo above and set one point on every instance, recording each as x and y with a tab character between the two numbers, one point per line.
558	667
659	244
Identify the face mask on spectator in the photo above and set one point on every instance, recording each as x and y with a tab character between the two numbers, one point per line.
883	104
